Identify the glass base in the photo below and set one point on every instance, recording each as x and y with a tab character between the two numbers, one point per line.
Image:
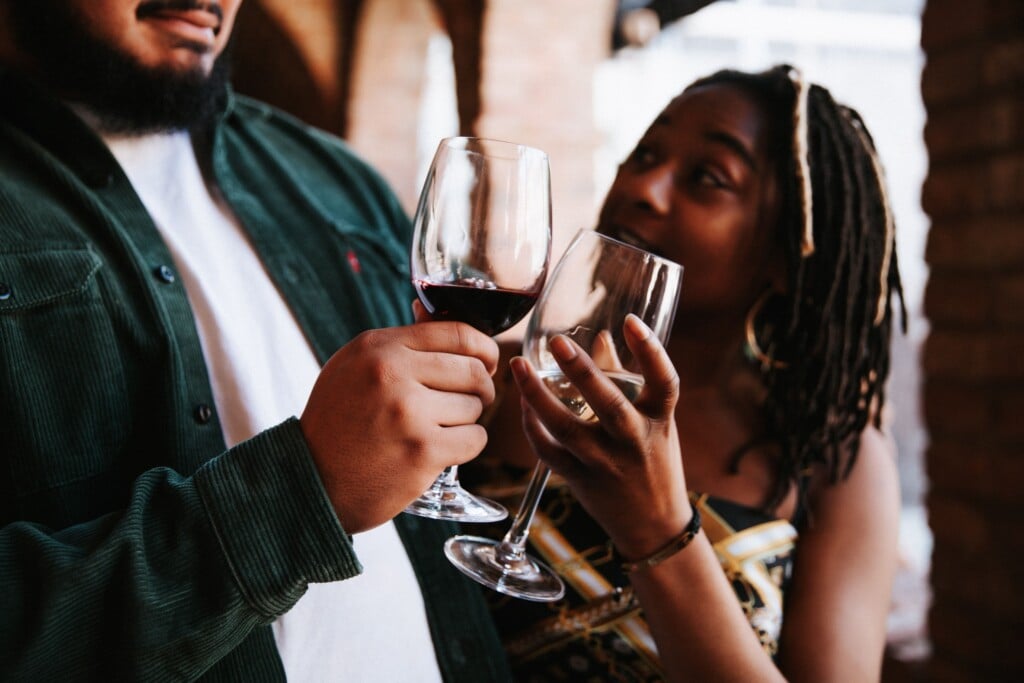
521	577
456	503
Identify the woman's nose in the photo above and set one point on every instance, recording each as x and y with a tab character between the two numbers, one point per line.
654	188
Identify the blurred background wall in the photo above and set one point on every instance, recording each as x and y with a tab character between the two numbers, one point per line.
973	88
941	86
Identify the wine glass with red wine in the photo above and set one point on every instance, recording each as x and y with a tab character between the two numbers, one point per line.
596	284
481	244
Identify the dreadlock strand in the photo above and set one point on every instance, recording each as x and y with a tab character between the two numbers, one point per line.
800	153
833	181
890	226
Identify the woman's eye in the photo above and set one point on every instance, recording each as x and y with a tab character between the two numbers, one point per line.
643	155
708	177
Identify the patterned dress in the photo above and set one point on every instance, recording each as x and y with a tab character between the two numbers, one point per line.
598	631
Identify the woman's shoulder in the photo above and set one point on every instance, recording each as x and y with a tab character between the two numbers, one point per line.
868	494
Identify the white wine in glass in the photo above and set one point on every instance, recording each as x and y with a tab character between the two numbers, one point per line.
596	284
565	391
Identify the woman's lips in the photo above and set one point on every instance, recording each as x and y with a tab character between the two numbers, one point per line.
625	235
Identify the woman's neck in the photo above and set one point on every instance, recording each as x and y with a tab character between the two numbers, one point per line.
720	409
706	351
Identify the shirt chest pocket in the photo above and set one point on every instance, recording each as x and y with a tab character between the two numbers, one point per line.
62	383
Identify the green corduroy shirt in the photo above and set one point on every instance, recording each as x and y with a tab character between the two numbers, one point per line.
133	544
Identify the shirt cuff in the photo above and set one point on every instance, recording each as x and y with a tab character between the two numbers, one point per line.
273	519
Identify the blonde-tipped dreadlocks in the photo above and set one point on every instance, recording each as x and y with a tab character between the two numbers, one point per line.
832	327
890	227
800	154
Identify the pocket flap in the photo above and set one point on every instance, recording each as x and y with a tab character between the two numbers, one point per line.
38	277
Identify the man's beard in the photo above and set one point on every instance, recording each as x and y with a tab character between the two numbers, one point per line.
124	96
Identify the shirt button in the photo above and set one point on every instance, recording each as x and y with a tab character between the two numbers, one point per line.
5	291
165	274
203	413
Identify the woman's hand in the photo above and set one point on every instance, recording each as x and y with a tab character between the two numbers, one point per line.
625	467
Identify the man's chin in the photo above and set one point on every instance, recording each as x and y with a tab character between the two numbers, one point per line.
159	100
179	87
183	66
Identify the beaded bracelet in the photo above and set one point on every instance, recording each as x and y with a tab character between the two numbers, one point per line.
668	550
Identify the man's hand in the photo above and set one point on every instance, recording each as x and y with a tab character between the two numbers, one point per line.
394	407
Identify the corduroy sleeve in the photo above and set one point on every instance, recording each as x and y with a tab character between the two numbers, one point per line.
165	588
278	532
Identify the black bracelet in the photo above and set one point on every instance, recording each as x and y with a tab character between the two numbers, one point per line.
669	549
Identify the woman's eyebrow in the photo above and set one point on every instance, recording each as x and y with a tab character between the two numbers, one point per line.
734	144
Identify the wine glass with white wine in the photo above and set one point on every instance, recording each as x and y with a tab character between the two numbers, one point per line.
596	284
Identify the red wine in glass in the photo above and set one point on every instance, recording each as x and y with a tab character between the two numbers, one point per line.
477	302
481	245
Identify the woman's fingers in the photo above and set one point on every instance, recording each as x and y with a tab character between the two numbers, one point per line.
544	445
661	387
562	439
609	397
604	352
608	403
553	413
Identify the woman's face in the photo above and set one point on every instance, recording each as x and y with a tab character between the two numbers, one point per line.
701	190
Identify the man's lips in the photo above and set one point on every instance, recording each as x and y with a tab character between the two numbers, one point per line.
197	17
199	21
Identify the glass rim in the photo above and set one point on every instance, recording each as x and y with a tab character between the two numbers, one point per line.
461	143
657	257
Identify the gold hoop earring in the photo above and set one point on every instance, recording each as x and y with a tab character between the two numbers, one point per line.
753	348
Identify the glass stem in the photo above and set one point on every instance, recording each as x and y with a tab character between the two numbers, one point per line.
448	479
513	545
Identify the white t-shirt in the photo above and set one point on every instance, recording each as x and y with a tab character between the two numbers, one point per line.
372	627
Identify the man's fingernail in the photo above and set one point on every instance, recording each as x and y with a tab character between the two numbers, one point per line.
562	347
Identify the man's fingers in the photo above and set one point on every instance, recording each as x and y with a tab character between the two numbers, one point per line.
451	337
448	409
452	373
419	312
460	444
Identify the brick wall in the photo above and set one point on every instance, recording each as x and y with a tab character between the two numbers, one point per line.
973	89
387	88
539	59
534	65
536	78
